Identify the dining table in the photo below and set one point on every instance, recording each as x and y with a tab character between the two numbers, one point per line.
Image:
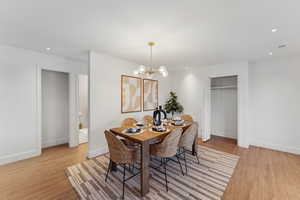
146	137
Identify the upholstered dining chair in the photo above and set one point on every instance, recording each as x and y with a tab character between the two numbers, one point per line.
166	150
120	154
148	119
187	118
186	142
128	122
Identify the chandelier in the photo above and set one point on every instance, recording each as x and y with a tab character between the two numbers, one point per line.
148	71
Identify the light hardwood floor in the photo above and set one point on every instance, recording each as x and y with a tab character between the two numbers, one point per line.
260	174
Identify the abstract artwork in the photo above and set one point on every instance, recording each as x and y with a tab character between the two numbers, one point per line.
150	94
131	94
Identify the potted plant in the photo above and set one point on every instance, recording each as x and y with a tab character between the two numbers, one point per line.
172	105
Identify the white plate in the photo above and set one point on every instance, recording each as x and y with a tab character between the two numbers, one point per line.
124	131
159	132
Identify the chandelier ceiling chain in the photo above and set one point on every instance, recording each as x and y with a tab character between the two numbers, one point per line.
150	70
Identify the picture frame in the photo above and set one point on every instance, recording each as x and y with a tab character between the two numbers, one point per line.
150	94
131	94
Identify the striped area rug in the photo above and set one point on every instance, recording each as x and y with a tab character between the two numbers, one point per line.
206	181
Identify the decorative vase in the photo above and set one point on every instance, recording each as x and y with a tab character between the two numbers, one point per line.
157	116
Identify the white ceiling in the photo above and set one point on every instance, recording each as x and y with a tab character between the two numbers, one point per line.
187	32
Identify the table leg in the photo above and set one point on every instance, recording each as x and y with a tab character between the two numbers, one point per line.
145	159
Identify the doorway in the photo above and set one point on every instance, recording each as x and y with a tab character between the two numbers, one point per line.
83	114
61	119
224	107
55	108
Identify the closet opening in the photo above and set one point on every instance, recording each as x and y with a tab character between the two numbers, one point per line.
224	107
55	108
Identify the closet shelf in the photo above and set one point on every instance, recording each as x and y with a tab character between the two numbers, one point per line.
224	87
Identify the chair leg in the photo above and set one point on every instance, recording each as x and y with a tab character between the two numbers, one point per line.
180	164
197	158
166	178
124	167
108	169
184	161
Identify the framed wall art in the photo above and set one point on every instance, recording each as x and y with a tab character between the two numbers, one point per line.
150	94
131	94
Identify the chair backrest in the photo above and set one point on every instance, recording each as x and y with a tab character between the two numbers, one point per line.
188	137
168	147
128	122
148	118
187	118
118	151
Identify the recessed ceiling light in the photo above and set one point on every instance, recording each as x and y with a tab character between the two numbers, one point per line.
274	30
270	53
282	46
48	48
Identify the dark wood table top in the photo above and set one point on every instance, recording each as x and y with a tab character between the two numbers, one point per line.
147	134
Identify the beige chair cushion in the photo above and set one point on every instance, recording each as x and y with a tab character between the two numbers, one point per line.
128	122
188	137
148	119
187	118
168	147
119	152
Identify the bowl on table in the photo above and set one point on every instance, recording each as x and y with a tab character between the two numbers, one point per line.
140	124
176	119
177	122
132	130
159	129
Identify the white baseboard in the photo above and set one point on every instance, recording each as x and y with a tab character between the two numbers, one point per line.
54	142
221	134
97	152
276	147
243	144
18	156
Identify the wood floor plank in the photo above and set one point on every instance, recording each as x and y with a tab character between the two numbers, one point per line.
261	174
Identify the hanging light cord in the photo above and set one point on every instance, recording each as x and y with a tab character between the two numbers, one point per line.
151	57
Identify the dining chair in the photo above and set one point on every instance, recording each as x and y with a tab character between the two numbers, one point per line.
186	142
129	122
126	123
187	118
120	154
166	150
148	119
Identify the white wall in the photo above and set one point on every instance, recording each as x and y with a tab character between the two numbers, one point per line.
193	88
274	104
55	108
269	99
105	105
19	130
84	99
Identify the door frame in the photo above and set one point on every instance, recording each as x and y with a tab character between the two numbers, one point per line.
73	139
210	100
242	96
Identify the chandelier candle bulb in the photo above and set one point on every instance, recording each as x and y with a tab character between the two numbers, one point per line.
162	69
135	72
142	68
